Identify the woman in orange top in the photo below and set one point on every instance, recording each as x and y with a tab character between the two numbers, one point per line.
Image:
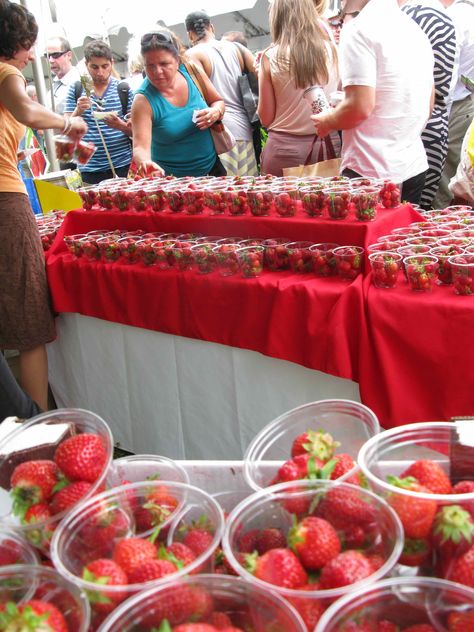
26	319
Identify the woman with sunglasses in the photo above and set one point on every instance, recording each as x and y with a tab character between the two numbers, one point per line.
170	118
26	319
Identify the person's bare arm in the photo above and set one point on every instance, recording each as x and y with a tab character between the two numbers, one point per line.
201	59
31	113
357	106
266	100
142	119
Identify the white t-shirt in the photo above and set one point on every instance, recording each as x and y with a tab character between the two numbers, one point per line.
385	49
462	14
61	88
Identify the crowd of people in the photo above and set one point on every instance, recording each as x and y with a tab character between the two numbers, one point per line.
404	115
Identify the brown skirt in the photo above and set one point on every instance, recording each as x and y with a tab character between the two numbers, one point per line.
26	318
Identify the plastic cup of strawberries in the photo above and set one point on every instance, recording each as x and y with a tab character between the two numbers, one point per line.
462	269
15	549
390	194
300	257
313	200
48	465
251	261
65	147
227	258
182	255
260	199
204	257
193	199
421	271
365	200
137	536
324	261
129	252
349	261
424	471
109	248
143	467
276	253
423	604
74	244
286	197
212	602
337	201
38	598
83	152
235	199
312	541
385	267
316	440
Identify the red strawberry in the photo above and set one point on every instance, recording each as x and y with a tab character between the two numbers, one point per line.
68	496
465	487
462	569
105	572
131	552
32	615
248	541
344	569
342	507
177	605
415	552
429	474
195	627
151	569
416	513
309	609
315	542
219	620
82	457
344	463
420	627
461	621
32	482
157	508
270	538
10	552
178	553
37	513
278	566
199	536
453	531
315	442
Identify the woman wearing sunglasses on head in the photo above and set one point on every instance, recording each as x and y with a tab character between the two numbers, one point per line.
170	118
26	320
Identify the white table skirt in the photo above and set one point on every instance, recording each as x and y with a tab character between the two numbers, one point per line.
174	396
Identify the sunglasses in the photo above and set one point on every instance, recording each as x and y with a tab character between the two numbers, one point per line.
159	36
56	55
336	24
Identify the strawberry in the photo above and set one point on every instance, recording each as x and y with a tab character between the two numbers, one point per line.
461	621
453	531
177	605
195	627
68	496
420	627
82	457
105	572
157	508
37	513
270	538
151	569
10	552
247	542
309	609
315	442
416	513
280	567
462	569
415	552
199	536
344	569
315	542
219	620
178	553
342	507
32	482
131	552
344	463
32	615
429	474
465	487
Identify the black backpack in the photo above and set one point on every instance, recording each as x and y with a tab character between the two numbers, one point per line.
123	90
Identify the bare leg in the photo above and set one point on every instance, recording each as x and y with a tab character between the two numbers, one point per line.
34	375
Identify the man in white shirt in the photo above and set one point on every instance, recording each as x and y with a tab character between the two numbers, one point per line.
462	108
386	65
59	55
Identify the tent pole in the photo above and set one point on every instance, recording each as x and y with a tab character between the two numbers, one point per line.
41	93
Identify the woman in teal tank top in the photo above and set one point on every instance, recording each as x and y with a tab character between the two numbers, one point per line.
170	118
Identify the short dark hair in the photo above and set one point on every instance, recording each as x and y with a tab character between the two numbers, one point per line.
197	21
236	36
163	39
97	48
18	29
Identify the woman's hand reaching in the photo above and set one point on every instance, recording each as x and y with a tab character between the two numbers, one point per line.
205	119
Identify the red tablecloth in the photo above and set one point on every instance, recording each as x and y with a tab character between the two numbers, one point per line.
405	350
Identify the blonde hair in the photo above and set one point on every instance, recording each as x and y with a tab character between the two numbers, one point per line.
302	41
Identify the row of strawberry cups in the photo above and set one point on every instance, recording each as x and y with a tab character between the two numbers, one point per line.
309	608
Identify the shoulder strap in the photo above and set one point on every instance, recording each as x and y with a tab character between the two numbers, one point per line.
196	77
77	90
123	90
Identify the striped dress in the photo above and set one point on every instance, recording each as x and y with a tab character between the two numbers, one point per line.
438	26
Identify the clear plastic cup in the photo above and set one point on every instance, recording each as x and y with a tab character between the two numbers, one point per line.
390	194
324	261
286	200
251	261
462	269
402	602
151	515
83	152
129	251
65	147
365	201
90	249
143	467
443	253
182	255
193	200
283	508
421	272
300	257
235	199
337	201
22	583
349	261
385	268
74	244
276	253
412	249
109	248
316	99
227	258
205	260
14	549
349	423
39	439
214	198
242	605
391	455
260	199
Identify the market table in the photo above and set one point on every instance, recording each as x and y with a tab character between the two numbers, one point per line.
327	325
